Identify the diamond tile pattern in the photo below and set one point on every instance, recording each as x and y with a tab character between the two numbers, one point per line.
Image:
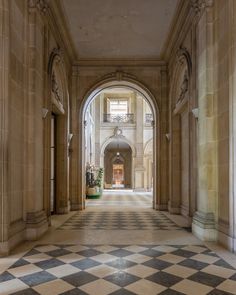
106	269
128	220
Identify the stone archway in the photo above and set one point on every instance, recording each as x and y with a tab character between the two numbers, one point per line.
130	83
124	158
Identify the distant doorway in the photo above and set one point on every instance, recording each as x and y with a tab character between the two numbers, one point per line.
118	175
118	165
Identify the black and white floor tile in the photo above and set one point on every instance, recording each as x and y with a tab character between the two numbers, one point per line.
123	198
119	270
118	220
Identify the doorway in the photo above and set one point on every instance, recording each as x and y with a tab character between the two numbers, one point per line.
118	175
53	165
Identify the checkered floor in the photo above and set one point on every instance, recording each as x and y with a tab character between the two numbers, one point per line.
122	198
119	270
118	220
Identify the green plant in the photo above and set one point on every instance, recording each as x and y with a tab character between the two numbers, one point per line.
98	181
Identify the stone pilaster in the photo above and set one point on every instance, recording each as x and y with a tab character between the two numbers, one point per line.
76	202
162	202
4	131
139	168
34	132
97	123
204	219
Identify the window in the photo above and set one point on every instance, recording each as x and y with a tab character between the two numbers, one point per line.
118	106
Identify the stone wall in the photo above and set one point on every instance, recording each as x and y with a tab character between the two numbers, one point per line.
208	37
28	39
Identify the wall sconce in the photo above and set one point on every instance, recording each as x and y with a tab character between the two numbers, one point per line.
70	135
168	136
44	112
195	112
69	138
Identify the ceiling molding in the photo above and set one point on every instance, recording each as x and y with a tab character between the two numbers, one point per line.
61	27
120	62
180	25
172	27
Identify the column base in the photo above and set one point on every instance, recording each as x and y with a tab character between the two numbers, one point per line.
172	209
76	207
17	233
203	226
36	225
139	190
64	207
161	207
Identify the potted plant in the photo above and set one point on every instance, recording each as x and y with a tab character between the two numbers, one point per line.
93	190
98	181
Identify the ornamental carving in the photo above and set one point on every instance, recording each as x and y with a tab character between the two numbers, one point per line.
56	88
119	75
200	5
40	4
183	73
184	87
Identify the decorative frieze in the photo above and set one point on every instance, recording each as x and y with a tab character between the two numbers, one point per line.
119	75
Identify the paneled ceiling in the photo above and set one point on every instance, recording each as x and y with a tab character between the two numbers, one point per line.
119	29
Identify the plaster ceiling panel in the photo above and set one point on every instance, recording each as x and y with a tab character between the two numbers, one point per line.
119	29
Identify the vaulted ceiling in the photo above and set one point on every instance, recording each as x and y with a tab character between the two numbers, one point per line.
119	29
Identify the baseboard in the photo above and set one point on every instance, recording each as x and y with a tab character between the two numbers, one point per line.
16	239
227	241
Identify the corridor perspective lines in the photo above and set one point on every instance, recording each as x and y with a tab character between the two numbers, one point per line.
121	249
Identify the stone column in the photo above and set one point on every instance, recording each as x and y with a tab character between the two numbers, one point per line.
162	201
97	124
4	97
139	168
36	218
232	131
74	162
204	219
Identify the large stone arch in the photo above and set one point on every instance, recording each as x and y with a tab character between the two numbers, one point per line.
112	138
117	79
57	102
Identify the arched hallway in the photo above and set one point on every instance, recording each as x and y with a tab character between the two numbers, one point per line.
103	95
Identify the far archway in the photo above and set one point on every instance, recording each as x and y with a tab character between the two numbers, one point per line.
153	120
119	122
118	165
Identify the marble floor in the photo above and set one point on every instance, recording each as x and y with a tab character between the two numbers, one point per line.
117	248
